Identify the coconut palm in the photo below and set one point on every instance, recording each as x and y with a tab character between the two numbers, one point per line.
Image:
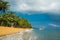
10	19
3	5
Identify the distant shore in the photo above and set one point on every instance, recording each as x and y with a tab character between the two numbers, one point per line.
10	30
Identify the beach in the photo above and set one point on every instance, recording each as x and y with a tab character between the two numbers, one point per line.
28	34
10	30
8	33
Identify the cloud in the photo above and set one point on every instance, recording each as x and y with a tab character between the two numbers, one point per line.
23	7
36	5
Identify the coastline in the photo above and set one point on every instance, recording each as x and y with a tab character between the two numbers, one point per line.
10	30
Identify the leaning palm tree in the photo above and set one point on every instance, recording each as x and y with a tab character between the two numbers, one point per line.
3	5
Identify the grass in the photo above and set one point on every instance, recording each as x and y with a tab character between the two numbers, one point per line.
10	30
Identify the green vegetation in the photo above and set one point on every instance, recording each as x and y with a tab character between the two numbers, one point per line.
10	19
4	5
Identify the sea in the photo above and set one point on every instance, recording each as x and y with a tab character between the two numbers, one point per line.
53	34
34	34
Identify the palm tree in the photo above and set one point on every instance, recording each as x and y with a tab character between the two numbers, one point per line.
3	5
0	5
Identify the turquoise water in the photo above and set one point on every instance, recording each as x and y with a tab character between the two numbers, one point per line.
52	34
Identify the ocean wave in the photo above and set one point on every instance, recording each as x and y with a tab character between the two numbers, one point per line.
23	35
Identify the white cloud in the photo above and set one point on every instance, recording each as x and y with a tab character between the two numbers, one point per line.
23	7
37	5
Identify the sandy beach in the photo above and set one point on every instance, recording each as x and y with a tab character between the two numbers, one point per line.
9	30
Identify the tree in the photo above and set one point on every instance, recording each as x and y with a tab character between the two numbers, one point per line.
4	5
10	19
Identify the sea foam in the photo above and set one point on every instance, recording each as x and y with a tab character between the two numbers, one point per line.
22	35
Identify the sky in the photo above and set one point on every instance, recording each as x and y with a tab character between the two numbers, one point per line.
40	13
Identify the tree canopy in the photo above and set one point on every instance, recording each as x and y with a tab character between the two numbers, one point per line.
10	19
4	5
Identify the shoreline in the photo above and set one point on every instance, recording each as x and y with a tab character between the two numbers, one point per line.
10	30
